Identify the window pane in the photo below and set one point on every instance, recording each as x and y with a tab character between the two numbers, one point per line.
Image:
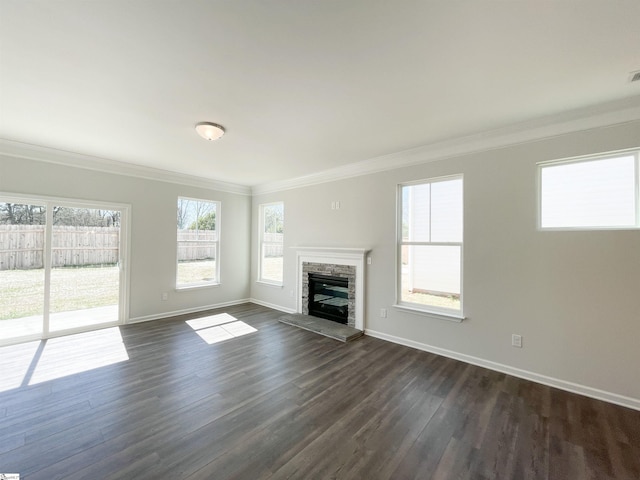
21	269
597	193
431	275
273	219
197	241
446	211
85	277
272	262
272	242
415	212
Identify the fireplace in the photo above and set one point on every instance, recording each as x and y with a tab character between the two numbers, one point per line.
347	264
329	297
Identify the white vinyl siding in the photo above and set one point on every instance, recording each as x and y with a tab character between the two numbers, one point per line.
590	193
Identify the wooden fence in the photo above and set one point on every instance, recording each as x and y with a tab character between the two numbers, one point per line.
273	246
22	246
196	245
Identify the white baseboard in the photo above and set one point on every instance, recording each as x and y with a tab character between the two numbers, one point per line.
271	305
175	313
622	400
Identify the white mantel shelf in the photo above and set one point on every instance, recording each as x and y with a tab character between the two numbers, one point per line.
333	250
337	256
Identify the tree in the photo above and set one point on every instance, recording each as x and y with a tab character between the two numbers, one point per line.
85	217
183	212
274	219
20	214
204	222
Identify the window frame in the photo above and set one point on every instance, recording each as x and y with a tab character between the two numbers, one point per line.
262	243
216	244
635	152
423	309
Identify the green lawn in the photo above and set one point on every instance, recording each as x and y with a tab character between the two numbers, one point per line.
196	271
71	289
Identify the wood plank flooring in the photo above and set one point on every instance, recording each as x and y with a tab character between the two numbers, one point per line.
284	403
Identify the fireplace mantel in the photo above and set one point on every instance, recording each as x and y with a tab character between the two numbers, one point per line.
324	251
336	256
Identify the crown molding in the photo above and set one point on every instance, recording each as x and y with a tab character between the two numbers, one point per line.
603	115
60	157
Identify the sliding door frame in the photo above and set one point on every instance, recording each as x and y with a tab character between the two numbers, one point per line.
124	246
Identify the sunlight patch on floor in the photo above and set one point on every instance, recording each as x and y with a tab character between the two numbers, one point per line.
15	361
35	362
218	328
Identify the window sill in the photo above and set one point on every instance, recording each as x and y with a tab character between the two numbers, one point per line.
450	317
197	286
270	284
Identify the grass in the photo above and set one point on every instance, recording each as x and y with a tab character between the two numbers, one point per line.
71	289
445	301
272	268
196	272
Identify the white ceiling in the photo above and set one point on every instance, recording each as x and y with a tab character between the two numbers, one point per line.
300	85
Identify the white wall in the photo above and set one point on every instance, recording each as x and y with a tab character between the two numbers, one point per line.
153	230
573	296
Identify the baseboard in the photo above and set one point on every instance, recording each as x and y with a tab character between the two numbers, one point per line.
622	400
271	305
175	313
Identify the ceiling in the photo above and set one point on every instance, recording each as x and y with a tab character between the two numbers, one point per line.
301	86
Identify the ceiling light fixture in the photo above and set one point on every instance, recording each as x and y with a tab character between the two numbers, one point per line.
209	131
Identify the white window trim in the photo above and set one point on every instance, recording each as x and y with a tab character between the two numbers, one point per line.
635	152
416	308
213	283
261	243
451	317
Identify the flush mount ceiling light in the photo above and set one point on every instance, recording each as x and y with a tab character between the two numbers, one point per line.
209	131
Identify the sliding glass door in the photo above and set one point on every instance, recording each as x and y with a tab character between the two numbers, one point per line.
61	267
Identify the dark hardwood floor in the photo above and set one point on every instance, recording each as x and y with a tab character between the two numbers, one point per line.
160	402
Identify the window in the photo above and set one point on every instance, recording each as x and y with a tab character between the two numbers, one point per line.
271	266
430	246
198	242
590	192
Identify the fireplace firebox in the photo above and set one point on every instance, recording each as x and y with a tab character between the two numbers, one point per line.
329	297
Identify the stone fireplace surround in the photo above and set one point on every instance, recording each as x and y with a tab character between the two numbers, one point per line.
343	262
332	270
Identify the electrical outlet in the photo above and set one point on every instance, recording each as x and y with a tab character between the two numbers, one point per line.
516	340
164	296
383	312
368	260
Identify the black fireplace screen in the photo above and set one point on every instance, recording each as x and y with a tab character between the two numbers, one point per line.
329	297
